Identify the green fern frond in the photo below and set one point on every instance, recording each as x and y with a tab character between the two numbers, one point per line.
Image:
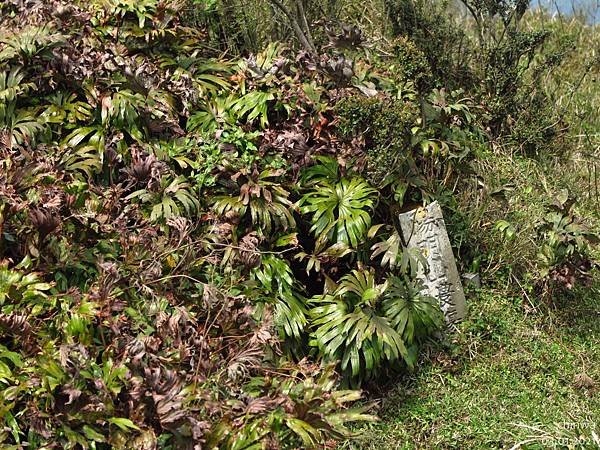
340	211
65	107
276	278
175	198
29	42
11	86
328	169
349	327
391	249
411	313
85	159
21	125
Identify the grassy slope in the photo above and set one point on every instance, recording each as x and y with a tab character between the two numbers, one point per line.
515	374
511	374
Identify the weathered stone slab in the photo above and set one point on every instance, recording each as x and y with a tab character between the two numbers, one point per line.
424	228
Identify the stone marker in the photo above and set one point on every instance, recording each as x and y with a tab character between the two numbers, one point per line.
424	228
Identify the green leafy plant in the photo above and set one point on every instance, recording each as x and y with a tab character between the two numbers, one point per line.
67	109
29	42
143	10
214	114
277	279
564	243
20	124
413	314
366	326
340	210
316	412
263	201
173	198
18	290
347	327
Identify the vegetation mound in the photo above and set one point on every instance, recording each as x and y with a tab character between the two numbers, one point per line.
199	239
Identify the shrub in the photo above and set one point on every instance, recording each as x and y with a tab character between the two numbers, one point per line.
383	126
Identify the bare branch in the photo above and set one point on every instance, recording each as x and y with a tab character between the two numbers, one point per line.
302	14
306	43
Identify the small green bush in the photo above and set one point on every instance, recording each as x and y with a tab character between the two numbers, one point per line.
412	63
384	125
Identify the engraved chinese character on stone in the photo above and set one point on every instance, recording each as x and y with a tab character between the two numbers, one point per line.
424	228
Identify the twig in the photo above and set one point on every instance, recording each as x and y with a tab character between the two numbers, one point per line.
296	26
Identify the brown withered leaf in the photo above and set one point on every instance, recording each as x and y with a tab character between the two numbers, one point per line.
45	221
5	140
37	421
145	441
144	168
294	142
167	395
242	361
584	381
249	252
15	323
53	202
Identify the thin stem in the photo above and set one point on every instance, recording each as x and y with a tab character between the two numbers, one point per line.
296	26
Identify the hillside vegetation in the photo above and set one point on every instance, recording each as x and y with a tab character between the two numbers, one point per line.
199	238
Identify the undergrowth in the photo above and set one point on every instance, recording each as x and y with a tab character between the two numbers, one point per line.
511	377
201	250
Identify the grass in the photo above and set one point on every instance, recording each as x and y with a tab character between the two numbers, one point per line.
513	376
